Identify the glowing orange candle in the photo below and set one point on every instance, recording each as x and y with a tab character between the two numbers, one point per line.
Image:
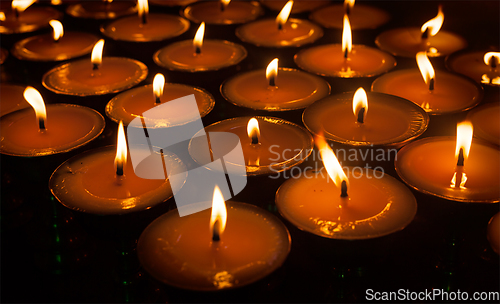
483	67
23	18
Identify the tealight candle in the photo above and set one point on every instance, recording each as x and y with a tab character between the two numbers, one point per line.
269	144
407	42
133	103
494	233
438	92
50	129
148	27
282	32
23	18
299	6
223	11
226	247
366	119
479	65
486	123
102	181
443	167
11	98
98	77
344	60
106	9
54	47
274	89
199	55
332	205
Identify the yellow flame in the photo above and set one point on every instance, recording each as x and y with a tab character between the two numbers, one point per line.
489	55
463	180
96	56
349	4
464	138
219	212
58	30
143	7
2	16
34	98
272	71
224	3
158	84
21	5
284	13
121	147
56	2
359	101
425	67
330	161
198	37
434	25
346	36
253	128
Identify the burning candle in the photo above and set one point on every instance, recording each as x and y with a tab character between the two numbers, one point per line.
366	119
442	166
344	60
57	46
299	6
23	18
223	11
97	77
50	129
269	144
481	66
356	205
274	89
486	123
406	42
230	246
12	98
133	103
438	92
280	32
494	232
103	181
361	16
105	9
148	27
199	55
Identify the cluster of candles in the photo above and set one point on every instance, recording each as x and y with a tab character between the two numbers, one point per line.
213	255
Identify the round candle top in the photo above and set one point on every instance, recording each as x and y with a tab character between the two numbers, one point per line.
328	60
11	98
179	251
102	9
235	12
133	103
407	42
88	183
429	165
44	48
451	93
472	64
115	74
214	55
294	90
377	204
361	16
486	123
389	120
32	19
494	232
299	6
295	32
281	145
158	27
67	127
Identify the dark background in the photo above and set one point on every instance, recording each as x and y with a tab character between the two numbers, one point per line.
52	254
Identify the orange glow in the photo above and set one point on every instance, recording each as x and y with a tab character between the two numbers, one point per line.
360	101
461	182
284	13
224	4
425	67
198	38
219	212
21	5
121	149
486	79
346	37
34	98
96	56
58	30
2	16
272	72
330	161
158	84
348	5
253	130
56	2
143	9
492	56
434	25
464	138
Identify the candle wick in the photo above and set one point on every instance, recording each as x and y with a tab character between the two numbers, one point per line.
158	99
280	26
347	10
216	232
343	189
361	115
431	84
222	7
16	13
41	124
460	161
346	51
95	66
272	81
144	18
425	34
197	50
255	139
493	62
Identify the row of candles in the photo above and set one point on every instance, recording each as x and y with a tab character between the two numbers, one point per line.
104	181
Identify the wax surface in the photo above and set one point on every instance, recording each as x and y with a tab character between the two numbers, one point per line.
101	10
472	64
295	32
11	98
43	47
407	42
115	74
294	90
452	93
428	165
179	251
374	206
158	27
67	127
30	20
215	54
486	122
235	12
328	60
494	233
360	17
298	5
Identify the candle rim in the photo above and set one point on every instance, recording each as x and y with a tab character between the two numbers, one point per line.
78	10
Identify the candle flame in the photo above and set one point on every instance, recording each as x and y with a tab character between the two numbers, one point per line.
434	25
330	161
2	16
284	13
253	130
425	67
224	4
346	36
486	79
198	38
272	72
360	101
219	212
348	5
143	8
96	56
58	30
488	57
56	2
21	5
121	148
34	98
464	139
158	84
